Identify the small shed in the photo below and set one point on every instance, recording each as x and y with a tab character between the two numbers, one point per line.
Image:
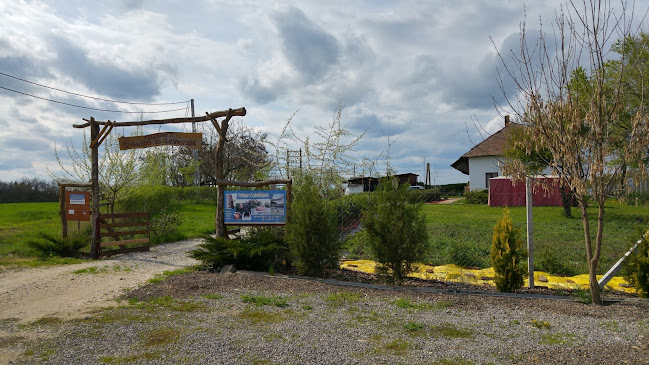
503	192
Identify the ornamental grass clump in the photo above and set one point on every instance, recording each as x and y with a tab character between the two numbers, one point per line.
507	254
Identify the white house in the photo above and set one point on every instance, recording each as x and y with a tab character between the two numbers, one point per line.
483	161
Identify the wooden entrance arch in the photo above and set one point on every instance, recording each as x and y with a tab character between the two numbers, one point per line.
97	136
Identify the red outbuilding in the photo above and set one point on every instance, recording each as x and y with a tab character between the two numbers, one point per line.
502	192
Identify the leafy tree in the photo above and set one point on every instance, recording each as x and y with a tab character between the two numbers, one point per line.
396	230
28	190
245	157
570	103
507	254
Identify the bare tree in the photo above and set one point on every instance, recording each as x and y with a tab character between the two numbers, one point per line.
570	102
117	169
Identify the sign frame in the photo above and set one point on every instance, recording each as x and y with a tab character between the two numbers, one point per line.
255	207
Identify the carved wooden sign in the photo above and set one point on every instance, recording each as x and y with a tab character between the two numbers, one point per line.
189	140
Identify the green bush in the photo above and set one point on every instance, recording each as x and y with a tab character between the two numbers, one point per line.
262	249
396	230
164	226
151	199
48	245
312	230
507	254
637	270
477	197
356	245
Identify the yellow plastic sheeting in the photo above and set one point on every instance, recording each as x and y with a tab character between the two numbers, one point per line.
485	276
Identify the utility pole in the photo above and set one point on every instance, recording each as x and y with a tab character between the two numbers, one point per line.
197	174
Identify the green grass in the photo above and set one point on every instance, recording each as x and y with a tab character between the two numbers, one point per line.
23	222
169	273
462	233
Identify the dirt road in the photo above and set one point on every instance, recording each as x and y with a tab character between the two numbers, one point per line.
71	291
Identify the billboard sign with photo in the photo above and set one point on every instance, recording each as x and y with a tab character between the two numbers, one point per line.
249	207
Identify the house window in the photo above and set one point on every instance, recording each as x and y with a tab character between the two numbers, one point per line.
488	176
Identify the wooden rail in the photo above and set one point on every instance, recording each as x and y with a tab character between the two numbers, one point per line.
123	237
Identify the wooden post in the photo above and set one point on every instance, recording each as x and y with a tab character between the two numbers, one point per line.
94	157
289	198
64	220
220	195
530	242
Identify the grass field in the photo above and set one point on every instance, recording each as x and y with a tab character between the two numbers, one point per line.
22	222
460	233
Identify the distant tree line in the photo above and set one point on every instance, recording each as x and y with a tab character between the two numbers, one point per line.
29	190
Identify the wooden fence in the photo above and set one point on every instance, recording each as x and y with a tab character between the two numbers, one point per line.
129	231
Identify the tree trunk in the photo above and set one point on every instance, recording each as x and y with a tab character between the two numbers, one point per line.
592	269
566	200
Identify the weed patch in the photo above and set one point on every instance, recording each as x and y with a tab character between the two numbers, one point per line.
261	300
167	274
258	317
557	339
161	336
213	296
449	330
540	324
341	298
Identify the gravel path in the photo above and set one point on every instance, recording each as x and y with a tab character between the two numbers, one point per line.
245	318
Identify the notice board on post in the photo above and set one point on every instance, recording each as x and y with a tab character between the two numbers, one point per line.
77	205
255	207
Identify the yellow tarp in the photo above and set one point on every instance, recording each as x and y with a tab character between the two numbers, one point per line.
485	276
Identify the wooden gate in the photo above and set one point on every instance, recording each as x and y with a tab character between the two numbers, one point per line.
129	231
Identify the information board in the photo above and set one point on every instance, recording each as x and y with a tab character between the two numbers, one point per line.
250	207
77	205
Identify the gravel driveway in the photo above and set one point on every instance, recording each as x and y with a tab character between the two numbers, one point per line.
247	318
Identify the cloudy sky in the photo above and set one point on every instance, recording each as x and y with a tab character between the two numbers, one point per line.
412	75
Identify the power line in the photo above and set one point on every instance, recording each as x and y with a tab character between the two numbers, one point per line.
90	97
89	108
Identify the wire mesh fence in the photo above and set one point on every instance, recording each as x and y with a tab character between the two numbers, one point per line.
461	231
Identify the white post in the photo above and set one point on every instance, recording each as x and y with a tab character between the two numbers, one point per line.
530	221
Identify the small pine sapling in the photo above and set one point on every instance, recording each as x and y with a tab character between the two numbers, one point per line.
507	254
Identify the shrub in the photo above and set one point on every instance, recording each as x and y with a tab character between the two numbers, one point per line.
49	245
396	231
507	253
356	244
260	250
164	226
477	197
151	199
637	270
312	230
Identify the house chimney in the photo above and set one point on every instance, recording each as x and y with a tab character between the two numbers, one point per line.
506	120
